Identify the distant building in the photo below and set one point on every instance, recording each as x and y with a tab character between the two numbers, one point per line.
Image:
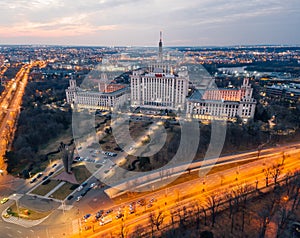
290	92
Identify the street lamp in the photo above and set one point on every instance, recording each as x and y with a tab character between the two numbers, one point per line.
62	206
17	204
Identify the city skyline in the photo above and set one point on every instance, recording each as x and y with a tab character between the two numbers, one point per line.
137	23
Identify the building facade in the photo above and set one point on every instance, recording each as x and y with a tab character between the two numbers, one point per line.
161	86
158	87
109	99
222	104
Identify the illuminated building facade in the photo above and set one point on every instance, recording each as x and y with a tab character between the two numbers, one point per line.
112	96
158	86
222	104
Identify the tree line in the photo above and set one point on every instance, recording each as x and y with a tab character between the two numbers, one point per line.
38	123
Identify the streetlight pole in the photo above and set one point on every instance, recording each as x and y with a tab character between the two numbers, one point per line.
63	208
17	204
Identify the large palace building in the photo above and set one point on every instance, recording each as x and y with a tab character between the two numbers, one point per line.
108	96
161	86
222	104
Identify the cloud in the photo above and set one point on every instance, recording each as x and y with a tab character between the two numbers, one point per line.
133	21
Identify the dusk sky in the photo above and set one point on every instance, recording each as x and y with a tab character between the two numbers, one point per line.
138	22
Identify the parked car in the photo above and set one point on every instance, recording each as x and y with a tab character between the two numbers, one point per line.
105	220
4	200
99	214
32	180
53	166
78	198
92	185
153	200
86	216
142	202
46	177
84	184
39	175
70	197
79	188
51	173
120	215
109	211
87	228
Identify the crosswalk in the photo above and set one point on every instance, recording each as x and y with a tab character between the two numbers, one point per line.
65	207
75	226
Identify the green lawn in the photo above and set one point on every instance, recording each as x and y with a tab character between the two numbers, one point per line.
44	189
63	191
81	173
26	213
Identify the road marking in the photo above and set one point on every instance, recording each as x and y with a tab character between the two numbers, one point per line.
7	227
9	235
32	231
20	232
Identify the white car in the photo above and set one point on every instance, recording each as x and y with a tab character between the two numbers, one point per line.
92	185
78	198
79	188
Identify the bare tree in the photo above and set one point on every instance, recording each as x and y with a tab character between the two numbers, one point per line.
284	214
275	171
205	215
156	219
197	212
123	230
295	192
139	231
213	203
265	215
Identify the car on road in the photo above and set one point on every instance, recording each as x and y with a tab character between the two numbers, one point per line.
106	171
4	200
32	180
46	177
53	166
39	175
78	198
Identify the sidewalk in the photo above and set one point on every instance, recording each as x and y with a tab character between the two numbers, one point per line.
22	222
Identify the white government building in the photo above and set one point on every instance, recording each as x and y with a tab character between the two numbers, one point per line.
163	86
108	96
